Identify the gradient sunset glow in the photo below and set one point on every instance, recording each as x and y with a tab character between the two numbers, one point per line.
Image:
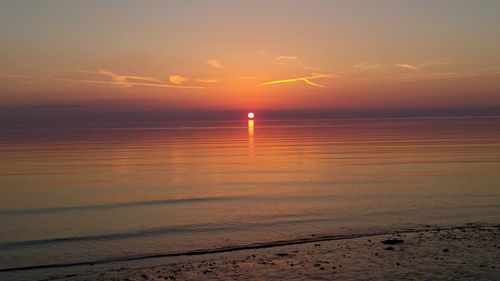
132	56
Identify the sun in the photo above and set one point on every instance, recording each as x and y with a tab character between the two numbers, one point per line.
251	115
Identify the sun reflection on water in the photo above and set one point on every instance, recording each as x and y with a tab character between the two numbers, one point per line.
251	129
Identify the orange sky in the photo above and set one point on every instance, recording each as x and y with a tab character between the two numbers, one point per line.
273	55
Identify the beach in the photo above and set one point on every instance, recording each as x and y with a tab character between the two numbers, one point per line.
467	252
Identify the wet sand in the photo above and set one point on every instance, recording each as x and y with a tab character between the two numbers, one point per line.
470	252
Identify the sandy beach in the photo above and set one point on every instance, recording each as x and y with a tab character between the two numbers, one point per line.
469	252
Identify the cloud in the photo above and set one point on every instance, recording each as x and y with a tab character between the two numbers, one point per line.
22	79
177	79
13	76
368	66
214	63
485	72
127	81
128	84
408	66
284	60
306	80
207	80
425	64
293	61
117	80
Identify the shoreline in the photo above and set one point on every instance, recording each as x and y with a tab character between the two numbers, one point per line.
466	252
254	246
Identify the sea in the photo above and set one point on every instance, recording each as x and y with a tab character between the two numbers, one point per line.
76	197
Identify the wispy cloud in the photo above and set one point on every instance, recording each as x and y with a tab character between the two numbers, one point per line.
425	64
368	66
482	72
408	66
284	60
23	79
306	79
13	76
128	84
207	80
294	61
213	63
177	79
127	81
115	79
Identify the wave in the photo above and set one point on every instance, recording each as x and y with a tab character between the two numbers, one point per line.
154	232
117	205
52	210
273	221
253	246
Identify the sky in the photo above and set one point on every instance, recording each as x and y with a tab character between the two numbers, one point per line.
308	55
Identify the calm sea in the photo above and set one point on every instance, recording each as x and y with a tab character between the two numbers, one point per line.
75	195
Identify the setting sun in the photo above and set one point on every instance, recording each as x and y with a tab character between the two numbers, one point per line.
251	115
